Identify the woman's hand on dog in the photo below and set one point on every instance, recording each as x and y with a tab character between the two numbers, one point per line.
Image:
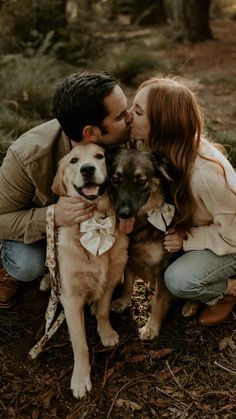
70	211
173	241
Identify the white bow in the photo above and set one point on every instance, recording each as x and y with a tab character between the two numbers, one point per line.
161	217
98	237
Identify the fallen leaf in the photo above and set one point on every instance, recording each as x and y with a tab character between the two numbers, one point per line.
159	354
128	404
137	358
227	341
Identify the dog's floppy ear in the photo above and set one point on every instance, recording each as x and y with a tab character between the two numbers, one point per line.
164	168
110	155
58	186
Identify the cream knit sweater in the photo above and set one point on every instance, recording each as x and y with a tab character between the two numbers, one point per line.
215	217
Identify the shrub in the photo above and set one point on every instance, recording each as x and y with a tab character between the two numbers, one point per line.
128	64
25	23
27	87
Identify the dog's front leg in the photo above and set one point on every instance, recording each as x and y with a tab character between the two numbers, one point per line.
120	304
74	312
159	305
108	335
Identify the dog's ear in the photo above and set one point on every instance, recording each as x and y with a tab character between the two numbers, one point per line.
163	167
110	155
58	186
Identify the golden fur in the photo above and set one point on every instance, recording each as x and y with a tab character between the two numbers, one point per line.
86	278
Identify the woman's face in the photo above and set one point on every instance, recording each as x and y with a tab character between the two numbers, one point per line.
140	125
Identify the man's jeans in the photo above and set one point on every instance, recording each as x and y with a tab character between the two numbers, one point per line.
200	275
24	262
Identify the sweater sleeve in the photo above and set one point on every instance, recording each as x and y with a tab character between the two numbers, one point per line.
18	220
219	199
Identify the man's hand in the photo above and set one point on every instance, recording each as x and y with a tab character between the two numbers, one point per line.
173	241
70	211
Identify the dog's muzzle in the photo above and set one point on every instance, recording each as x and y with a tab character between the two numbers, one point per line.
91	190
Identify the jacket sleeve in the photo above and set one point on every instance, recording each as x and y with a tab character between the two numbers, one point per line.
219	199
18	220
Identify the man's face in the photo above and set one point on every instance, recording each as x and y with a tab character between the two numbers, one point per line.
116	125
140	124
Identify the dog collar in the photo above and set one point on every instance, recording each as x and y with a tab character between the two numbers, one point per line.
161	217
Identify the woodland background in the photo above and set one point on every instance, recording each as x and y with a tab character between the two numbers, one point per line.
189	371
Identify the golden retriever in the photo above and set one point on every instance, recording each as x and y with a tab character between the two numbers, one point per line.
87	277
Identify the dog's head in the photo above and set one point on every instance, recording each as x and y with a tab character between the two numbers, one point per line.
82	172
138	181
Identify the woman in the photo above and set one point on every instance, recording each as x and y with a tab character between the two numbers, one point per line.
166	115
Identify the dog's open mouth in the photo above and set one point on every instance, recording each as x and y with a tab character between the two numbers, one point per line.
91	190
126	225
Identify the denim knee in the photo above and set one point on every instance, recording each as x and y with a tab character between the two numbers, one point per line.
24	262
200	275
175	283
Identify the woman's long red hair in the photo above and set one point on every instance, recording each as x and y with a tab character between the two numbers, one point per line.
175	131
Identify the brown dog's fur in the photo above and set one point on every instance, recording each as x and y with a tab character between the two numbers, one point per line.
86	278
137	185
140	183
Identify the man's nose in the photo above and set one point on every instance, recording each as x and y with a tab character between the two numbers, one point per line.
129	117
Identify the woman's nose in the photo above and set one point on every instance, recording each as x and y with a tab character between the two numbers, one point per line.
129	117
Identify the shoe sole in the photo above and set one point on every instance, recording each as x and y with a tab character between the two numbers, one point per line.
8	304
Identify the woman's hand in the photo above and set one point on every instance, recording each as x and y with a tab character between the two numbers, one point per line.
70	211
173	241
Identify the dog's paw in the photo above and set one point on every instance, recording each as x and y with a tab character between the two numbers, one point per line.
119	305
45	284
190	308
80	385
148	332
109	338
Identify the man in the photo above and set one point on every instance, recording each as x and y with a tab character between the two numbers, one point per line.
89	107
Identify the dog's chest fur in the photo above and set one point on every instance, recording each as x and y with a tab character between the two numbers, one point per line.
147	256
85	274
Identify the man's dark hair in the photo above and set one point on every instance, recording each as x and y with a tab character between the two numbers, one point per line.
79	101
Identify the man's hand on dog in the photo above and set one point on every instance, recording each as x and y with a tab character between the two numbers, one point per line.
70	211
173	241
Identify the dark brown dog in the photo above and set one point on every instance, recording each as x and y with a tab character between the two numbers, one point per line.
138	181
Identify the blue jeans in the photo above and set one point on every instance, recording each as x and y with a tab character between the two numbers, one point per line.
200	275
24	262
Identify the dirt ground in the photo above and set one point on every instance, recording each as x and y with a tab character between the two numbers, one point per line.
189	371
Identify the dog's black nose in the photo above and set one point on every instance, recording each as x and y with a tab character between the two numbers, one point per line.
124	212
87	170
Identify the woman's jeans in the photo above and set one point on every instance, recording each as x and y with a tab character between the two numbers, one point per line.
24	262
200	275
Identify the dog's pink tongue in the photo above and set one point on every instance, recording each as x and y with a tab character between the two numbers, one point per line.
126	225
90	190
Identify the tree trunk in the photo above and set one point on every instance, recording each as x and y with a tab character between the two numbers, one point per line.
148	12
76	11
140	11
191	20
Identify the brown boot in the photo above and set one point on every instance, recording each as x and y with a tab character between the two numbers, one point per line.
8	289
217	313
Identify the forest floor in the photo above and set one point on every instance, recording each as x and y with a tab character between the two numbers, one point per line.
189	371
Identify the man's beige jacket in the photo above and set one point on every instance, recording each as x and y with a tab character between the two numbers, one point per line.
26	177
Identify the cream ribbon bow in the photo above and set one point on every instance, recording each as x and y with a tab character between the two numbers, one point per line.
99	234
161	217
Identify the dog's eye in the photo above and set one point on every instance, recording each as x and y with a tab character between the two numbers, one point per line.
115	180
99	156
142	182
73	160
